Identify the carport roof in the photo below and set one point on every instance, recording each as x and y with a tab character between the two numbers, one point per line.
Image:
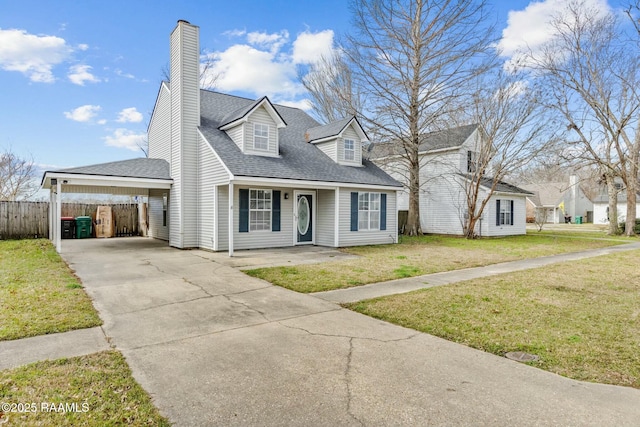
124	173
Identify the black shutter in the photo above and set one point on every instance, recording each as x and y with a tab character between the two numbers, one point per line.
354	211
383	211
244	211
275	211
498	212
512	215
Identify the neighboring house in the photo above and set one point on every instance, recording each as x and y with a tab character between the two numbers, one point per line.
561	199
601	207
234	173
446	159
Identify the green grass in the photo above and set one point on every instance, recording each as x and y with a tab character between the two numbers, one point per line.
100	385
39	294
416	256
581	318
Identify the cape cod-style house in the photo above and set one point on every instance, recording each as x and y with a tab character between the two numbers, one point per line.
226	173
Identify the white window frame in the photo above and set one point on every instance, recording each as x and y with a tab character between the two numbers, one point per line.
352	150
506	216
255	210
261	133
367	214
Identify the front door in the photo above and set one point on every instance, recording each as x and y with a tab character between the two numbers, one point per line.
304	218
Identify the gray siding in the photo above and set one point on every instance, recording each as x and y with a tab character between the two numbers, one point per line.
349	133
261	116
329	148
325	218
222	213
185	118
366	237
156	229
265	239
237	135
160	127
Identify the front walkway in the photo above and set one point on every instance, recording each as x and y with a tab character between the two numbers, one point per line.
216	347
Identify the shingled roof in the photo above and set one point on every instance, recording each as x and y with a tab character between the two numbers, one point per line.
132	168
504	187
298	159
444	139
328	130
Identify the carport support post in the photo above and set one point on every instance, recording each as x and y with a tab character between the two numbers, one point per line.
231	218
52	201
58	225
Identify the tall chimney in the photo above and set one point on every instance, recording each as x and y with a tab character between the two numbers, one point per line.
185	119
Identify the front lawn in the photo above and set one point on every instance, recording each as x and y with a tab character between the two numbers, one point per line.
581	318
39	294
94	390
416	256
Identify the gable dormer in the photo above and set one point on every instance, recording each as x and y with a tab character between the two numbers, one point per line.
342	141
254	129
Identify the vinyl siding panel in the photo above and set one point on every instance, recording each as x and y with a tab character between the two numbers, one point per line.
222	216
185	118
266	239
442	205
329	148
156	229
237	135
261	115
350	133
206	213
366	237
519	226
160	127
325	217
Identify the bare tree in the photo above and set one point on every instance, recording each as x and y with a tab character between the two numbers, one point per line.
592	69
329	81
514	129
540	216
411	62
16	177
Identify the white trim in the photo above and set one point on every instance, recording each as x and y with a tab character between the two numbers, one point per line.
336	225
270	190
105	181
270	110
58	216
288	183
230	230
314	199
216	206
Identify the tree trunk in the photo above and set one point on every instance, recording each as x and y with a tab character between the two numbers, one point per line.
613	206
413	217
632	191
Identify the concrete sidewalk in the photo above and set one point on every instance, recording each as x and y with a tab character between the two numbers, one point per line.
400	286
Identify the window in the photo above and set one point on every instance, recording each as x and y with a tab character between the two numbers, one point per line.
349	149
260	136
471	161
504	215
368	211
259	210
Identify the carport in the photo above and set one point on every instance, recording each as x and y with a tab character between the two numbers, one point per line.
134	177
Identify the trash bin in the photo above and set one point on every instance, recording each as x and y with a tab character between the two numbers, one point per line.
68	227
578	220
83	227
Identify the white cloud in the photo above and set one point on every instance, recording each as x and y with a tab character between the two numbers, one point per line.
83	46
124	138
235	33
129	115
531	28
83	114
245	68
79	74
310	47
121	73
266	63
34	56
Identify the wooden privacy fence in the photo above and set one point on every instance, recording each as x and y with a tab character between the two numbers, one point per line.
19	220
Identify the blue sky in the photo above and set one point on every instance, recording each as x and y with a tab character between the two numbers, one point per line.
79	78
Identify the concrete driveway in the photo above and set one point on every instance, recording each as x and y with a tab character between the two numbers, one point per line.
216	347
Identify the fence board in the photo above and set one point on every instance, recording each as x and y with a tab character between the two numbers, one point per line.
19	220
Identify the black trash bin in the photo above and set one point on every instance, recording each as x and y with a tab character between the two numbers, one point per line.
68	227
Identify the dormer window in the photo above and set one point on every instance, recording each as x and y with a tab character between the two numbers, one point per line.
260	136
349	150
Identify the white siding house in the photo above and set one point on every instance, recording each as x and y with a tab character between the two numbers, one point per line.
445	161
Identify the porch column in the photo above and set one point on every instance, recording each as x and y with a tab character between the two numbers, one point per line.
50	214
230	218
58	215
336	218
